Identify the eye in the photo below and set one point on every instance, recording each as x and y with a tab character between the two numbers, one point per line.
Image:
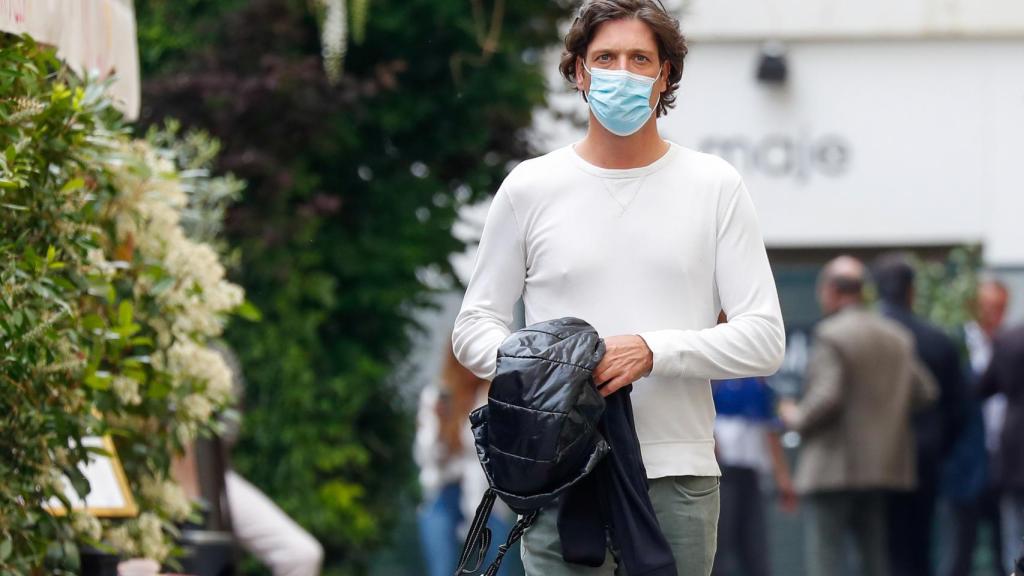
604	57
642	59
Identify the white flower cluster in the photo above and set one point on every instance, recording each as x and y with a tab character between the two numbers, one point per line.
167	496
188	362
334	37
86	525
126	390
96	262
197	295
143	537
184	303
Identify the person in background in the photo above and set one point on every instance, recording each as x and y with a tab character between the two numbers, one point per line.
450	475
911	514
862	386
259	525
746	435
973	496
1005	375
747	444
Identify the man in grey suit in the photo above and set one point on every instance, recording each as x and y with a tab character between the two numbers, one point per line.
863	383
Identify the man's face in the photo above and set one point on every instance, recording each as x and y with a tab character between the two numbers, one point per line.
827	298
992	301
626	44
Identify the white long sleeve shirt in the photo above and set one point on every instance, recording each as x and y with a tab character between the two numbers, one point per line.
655	251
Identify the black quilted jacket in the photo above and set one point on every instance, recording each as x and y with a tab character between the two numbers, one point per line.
548	440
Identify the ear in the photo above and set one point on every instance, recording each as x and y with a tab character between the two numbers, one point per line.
666	69
582	78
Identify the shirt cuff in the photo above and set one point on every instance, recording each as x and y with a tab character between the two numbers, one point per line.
667	358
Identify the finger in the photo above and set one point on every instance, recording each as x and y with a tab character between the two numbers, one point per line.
603	375
613	386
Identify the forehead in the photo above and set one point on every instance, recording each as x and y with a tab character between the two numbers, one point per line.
992	293
623	34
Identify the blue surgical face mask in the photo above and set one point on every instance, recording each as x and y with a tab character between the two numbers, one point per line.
620	100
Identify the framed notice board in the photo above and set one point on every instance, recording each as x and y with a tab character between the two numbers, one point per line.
109	495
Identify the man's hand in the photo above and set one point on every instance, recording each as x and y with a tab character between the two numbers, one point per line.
626	360
788	500
789	413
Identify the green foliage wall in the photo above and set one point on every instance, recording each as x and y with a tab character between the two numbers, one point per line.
351	188
45	236
106	307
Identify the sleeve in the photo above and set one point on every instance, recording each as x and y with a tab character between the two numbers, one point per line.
953	398
926	390
824	387
496	284
989	384
753	341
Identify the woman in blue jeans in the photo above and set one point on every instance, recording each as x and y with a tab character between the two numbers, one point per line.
450	474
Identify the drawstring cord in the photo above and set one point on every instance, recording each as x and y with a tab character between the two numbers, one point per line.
478	540
513	536
479	537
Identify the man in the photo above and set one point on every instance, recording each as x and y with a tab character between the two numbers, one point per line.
911	514
973	495
647	241
862	385
1005	375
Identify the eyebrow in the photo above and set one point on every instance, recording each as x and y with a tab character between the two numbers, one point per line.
643	51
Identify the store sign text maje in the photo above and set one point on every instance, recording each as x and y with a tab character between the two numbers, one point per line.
779	155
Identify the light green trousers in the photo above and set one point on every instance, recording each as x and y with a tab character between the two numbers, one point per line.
687	510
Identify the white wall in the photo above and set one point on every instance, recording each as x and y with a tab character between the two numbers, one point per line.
789	19
879	142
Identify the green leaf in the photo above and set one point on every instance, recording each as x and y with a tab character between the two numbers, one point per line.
249	311
126	331
32	258
78	480
51	253
92	322
158	388
73	184
5	548
98	450
98	381
124	313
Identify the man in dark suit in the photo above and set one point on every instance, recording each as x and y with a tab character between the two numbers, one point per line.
911	513
1005	375
968	485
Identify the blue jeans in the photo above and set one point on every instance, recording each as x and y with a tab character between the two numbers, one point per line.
439	521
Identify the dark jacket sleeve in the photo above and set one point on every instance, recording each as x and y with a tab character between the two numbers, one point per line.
990	383
954	396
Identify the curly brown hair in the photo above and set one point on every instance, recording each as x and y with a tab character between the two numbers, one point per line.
671	42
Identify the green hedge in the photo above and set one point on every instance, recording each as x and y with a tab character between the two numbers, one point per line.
105	310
